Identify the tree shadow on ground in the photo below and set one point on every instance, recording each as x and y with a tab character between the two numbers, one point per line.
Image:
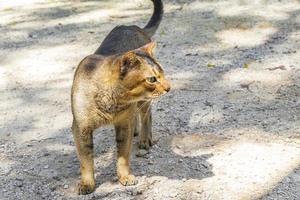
289	186
51	165
41	167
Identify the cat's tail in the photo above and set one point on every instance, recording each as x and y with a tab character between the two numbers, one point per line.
154	21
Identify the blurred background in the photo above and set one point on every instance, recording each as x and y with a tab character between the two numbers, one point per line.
229	129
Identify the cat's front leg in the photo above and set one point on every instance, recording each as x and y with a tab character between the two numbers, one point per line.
84	144
145	126
124	135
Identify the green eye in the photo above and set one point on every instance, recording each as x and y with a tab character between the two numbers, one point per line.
152	79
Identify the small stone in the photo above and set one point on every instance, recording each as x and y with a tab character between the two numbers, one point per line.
115	179
55	177
142	152
53	188
205	165
134	192
180	160
19	183
140	190
160	109
66	186
32	36
46	166
150	162
225	107
173	194
19	179
5	169
46	154
207	103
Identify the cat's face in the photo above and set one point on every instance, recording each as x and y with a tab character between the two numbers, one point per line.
142	76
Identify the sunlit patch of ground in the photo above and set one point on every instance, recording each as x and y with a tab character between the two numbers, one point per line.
234	68
180	80
262	80
246	164
257	8
40	65
5	164
245	37
205	117
265	77
3	80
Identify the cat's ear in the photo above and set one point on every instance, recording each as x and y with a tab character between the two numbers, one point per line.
149	47
128	61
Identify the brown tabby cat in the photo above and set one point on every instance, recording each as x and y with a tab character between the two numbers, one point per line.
115	85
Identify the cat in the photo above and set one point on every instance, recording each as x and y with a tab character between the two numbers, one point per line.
115	86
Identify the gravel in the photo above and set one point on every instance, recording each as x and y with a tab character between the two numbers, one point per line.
228	129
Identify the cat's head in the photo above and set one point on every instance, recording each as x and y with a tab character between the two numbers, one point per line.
141	75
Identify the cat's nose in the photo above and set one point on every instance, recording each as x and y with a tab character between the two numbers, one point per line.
167	87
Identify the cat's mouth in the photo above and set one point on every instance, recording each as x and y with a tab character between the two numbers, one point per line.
155	96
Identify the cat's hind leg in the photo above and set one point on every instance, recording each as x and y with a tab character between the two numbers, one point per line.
137	123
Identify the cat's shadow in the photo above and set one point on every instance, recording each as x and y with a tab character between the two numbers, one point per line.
160	161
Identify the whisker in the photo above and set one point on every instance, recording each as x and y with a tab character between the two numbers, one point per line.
138	110
141	106
149	107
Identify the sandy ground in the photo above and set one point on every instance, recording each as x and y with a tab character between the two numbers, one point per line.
229	129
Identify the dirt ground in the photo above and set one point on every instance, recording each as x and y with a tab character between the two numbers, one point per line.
229	129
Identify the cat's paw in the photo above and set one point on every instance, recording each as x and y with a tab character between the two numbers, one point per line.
128	180
145	144
84	189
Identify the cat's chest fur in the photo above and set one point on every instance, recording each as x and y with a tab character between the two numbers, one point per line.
108	103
